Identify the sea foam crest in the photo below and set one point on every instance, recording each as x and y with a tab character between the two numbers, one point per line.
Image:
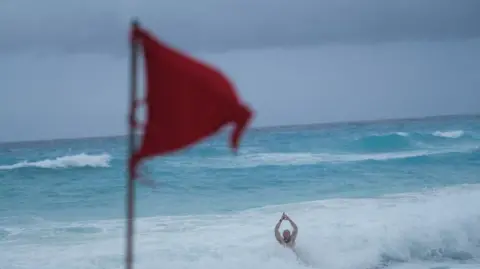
78	160
449	134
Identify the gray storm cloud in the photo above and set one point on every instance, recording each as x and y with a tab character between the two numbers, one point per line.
220	25
64	68
86	95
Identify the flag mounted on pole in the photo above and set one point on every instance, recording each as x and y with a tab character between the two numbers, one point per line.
186	101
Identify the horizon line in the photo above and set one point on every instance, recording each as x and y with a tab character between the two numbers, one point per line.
268	127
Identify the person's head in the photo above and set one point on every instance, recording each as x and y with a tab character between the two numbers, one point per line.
286	235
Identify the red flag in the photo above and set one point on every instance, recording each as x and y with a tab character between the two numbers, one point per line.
186	101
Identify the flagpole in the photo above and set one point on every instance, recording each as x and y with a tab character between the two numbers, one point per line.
131	148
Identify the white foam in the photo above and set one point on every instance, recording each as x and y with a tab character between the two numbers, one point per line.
307	158
402	134
79	160
334	234
449	134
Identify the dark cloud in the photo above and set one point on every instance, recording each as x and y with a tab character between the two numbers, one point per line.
79	95
65	71
218	25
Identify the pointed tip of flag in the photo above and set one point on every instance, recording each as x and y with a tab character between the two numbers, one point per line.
243	118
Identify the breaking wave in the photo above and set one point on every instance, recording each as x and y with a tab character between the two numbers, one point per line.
449	134
434	227
308	158
79	160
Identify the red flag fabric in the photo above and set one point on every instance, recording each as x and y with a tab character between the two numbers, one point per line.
186	101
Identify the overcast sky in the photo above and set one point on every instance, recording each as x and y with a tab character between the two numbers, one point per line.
64	63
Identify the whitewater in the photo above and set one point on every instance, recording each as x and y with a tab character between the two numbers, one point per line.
365	195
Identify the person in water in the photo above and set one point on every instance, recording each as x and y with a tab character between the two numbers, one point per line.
287	239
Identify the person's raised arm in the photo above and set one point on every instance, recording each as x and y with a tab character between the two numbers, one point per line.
277	232
295	228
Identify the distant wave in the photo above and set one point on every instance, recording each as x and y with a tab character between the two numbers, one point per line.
398	141
307	158
449	134
392	135
79	160
382	142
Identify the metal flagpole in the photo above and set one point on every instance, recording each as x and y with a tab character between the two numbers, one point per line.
130	207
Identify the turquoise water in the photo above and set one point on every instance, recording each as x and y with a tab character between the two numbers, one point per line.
398	194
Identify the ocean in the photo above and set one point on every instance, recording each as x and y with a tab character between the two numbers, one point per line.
365	195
